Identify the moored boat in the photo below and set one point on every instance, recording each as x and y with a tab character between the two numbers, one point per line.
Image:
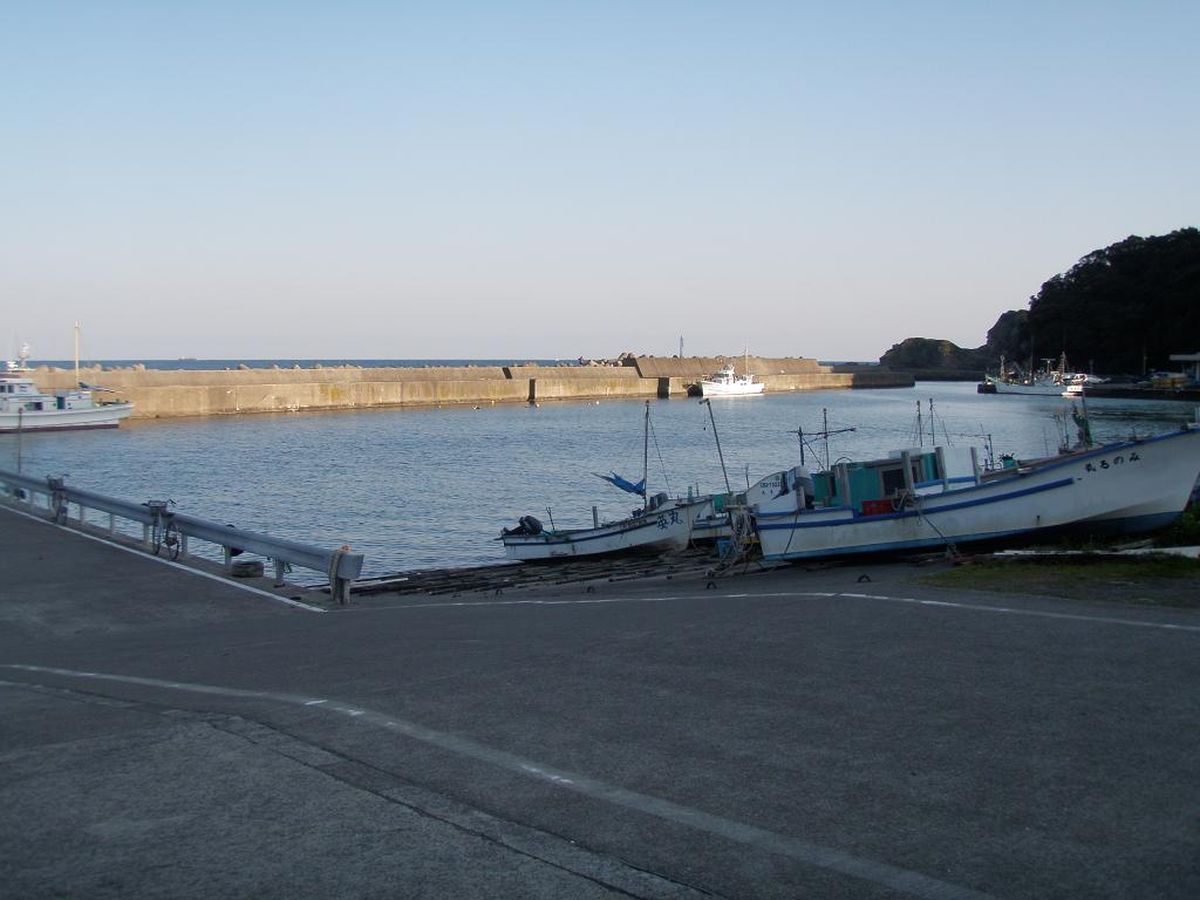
662	524
727	383
1050	381
24	407
665	524
923	498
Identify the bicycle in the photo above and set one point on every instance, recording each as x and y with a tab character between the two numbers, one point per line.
163	530
58	499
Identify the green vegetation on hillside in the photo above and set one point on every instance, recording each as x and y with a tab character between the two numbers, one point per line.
1123	309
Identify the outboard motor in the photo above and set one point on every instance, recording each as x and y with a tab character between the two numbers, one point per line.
525	525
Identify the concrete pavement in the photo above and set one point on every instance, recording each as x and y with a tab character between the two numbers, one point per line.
783	734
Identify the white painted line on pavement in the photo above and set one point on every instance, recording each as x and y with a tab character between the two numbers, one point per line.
880	873
785	595
1037	613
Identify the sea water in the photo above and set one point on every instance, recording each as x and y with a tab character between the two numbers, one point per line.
430	487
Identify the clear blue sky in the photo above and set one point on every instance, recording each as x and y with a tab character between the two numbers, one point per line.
526	179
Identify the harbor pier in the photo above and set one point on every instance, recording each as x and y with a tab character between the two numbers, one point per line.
167	393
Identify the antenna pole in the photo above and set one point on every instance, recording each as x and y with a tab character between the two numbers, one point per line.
799	432
646	459
825	426
717	437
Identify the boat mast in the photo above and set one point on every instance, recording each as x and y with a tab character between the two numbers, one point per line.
824	433
77	353
646	459
717	437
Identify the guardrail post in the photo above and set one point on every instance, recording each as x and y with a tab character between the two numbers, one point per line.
339	590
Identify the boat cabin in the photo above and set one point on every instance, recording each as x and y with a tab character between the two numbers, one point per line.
882	485
872	487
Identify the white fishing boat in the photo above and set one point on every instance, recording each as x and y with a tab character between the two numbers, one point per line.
925	498
728	383
1076	384
662	524
1049	381
24	407
1041	386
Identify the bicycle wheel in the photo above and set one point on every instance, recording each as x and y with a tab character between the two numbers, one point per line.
172	539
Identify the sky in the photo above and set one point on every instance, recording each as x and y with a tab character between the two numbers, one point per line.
561	179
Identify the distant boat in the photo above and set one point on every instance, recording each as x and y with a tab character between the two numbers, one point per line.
727	383
1049	381
1078	382
1044	386
24	407
925	498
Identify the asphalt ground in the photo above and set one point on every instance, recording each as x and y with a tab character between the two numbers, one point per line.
838	733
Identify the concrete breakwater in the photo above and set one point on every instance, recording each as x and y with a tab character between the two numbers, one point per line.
165	393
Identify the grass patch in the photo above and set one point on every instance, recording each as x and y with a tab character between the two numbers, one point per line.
1183	532
1145	580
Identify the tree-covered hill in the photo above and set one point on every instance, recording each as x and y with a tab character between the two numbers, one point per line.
1123	309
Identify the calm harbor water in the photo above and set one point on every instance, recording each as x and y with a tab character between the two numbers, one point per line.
422	488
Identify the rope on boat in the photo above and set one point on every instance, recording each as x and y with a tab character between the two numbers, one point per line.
915	501
658	450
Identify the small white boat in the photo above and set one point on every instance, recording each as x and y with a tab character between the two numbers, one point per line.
934	498
1078	382
727	383
665	524
24	407
662	524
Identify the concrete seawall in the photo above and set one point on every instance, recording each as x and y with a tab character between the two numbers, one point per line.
164	393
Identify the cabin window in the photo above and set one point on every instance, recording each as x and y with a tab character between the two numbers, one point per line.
893	480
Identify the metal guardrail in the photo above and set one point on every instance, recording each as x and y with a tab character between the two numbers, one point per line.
341	566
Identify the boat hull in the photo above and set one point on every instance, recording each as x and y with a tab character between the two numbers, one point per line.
716	389
107	416
656	531
1127	487
1041	388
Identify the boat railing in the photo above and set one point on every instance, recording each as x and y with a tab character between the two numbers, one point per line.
52	496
